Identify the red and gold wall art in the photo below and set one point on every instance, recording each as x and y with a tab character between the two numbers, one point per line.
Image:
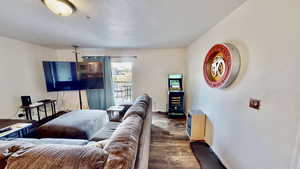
221	65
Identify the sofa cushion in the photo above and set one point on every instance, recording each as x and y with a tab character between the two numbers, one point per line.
126	107
53	141
123	144
139	107
8	148
144	98
49	156
64	141
100	144
80	124
105	132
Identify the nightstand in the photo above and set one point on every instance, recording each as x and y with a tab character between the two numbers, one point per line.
113	113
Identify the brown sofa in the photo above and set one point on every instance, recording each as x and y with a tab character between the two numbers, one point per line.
127	148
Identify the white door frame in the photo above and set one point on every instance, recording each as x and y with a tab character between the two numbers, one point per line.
295	161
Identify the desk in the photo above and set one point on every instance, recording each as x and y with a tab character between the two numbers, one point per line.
37	106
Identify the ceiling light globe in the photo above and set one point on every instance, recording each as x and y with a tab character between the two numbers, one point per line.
60	7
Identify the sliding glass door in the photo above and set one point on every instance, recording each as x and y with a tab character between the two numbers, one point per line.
122	81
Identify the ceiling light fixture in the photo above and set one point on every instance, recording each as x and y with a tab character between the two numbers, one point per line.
60	7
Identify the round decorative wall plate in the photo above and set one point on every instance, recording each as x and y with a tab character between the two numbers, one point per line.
221	65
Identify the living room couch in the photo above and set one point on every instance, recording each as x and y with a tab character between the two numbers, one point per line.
126	148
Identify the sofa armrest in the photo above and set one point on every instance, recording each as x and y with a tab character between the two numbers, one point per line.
126	107
142	159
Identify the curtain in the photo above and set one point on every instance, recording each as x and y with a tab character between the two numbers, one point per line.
101	98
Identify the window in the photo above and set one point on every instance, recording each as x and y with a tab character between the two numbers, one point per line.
122	81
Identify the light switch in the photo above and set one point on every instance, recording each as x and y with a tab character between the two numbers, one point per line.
254	103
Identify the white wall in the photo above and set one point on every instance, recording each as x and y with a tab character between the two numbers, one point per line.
150	70
21	73
267	34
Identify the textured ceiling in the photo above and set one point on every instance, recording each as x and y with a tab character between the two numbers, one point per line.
113	23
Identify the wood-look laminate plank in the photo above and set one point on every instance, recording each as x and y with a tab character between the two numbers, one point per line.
170	148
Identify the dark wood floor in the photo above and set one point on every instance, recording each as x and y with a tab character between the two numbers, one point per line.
170	148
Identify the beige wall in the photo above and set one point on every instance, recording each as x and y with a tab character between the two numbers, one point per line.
267	34
150	71
21	73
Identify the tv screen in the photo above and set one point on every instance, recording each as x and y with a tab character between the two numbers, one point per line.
175	85
90	75
63	76
175	81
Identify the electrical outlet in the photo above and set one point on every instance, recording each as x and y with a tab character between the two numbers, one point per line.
254	103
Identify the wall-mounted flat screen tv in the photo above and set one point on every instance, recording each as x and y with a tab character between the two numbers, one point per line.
64	76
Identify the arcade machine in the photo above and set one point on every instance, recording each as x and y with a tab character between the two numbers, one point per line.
176	96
